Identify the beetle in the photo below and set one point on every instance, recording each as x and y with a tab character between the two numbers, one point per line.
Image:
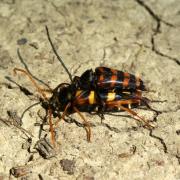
65	99
107	79
103	78
104	90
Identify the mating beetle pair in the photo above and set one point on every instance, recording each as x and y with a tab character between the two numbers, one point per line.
105	90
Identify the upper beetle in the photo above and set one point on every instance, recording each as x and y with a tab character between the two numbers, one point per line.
105	78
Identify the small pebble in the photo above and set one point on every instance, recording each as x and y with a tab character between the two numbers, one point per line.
22	41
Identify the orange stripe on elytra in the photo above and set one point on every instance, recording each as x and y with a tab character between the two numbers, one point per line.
101	69
113	80
100	80
126	79
114	71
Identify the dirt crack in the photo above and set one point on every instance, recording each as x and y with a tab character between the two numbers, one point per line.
157	30
154	16
161	140
177	61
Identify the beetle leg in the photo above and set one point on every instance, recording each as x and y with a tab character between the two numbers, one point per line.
87	125
51	127
88	130
120	104
100	113
56	123
63	115
101	107
136	115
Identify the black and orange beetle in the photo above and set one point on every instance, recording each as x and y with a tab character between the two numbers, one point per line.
107	88
105	78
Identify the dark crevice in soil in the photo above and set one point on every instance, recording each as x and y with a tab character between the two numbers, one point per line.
177	61
160	139
154	15
157	30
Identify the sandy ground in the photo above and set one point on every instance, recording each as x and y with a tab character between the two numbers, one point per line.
141	37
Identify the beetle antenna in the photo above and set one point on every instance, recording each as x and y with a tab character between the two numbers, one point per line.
57	55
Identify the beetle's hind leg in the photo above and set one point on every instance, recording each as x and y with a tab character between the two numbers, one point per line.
120	105
148	124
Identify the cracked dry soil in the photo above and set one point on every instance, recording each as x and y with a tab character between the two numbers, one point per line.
141	37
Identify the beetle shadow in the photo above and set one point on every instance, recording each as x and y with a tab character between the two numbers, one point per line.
23	89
